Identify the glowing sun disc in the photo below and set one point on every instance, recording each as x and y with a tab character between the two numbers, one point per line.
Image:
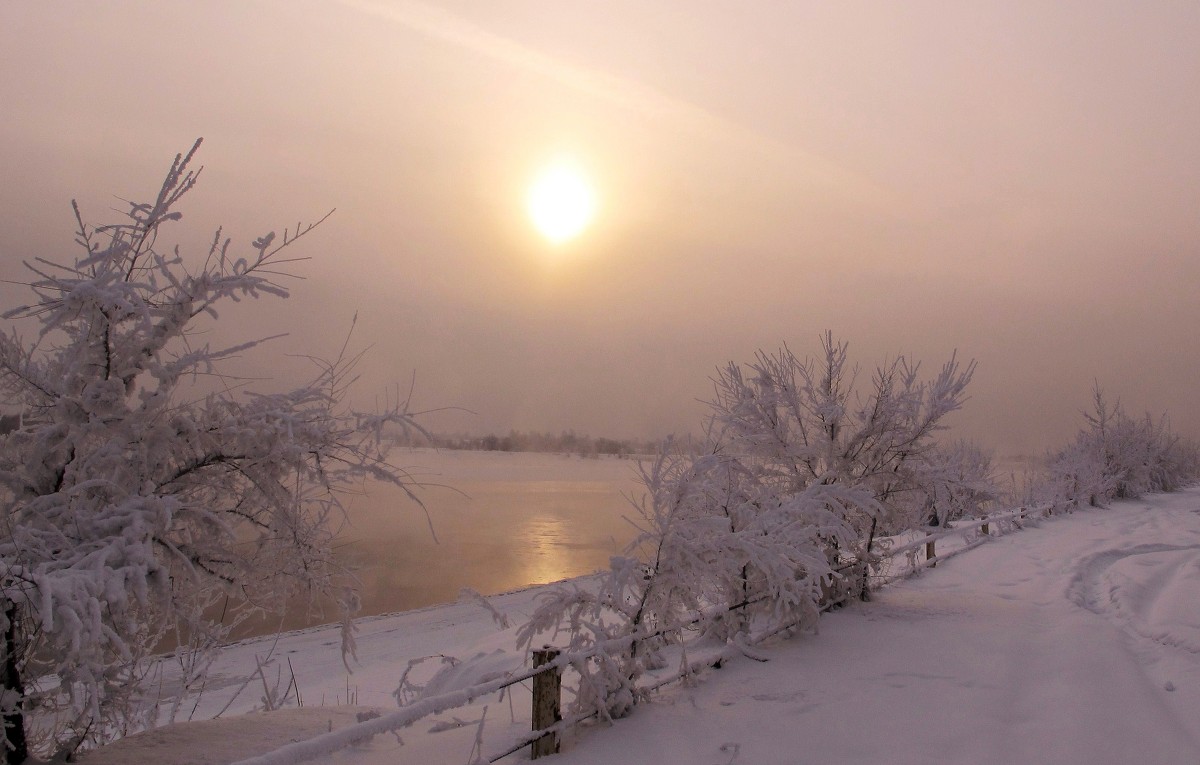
561	203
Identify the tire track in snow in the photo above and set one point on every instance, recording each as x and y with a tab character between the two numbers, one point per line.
1095	587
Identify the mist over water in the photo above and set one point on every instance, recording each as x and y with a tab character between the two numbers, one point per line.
502	521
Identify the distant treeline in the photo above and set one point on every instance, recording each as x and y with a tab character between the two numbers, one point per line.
566	442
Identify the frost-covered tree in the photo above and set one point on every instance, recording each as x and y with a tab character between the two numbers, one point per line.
949	482
801	422
768	517
714	552
797	423
143	495
1116	456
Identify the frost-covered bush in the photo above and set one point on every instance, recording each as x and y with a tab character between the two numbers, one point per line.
801	422
948	482
1116	456
713	552
140	501
770	515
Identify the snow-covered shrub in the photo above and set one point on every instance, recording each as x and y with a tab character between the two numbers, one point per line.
948	482
769	515
805	422
716	552
1076	474
1116	456
770	555
134	498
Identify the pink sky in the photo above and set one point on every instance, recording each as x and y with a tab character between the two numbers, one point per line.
1017	181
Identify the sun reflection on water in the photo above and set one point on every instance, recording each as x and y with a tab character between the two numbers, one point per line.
547	557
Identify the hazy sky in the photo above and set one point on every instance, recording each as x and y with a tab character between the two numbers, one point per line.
1016	180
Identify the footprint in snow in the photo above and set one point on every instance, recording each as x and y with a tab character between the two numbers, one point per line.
784	697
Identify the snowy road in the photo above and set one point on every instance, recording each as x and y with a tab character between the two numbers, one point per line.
1074	642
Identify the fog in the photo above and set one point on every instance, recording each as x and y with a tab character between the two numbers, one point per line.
1015	182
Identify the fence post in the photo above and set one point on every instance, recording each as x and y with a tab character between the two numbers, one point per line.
827	594
930	554
984	529
546	710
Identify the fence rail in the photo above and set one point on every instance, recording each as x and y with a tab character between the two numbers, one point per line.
548	663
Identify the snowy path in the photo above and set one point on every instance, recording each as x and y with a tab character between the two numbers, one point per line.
1074	642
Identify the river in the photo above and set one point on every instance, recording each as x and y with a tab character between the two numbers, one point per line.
502	520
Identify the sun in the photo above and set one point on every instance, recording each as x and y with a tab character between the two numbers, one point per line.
561	202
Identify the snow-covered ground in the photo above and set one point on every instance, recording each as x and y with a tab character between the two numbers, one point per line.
1077	641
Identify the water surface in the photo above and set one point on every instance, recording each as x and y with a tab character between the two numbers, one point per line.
502	521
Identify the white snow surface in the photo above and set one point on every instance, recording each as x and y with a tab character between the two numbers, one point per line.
1074	641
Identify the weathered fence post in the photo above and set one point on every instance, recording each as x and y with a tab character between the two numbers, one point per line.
930	554
827	594
864	592
546	711
984	529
